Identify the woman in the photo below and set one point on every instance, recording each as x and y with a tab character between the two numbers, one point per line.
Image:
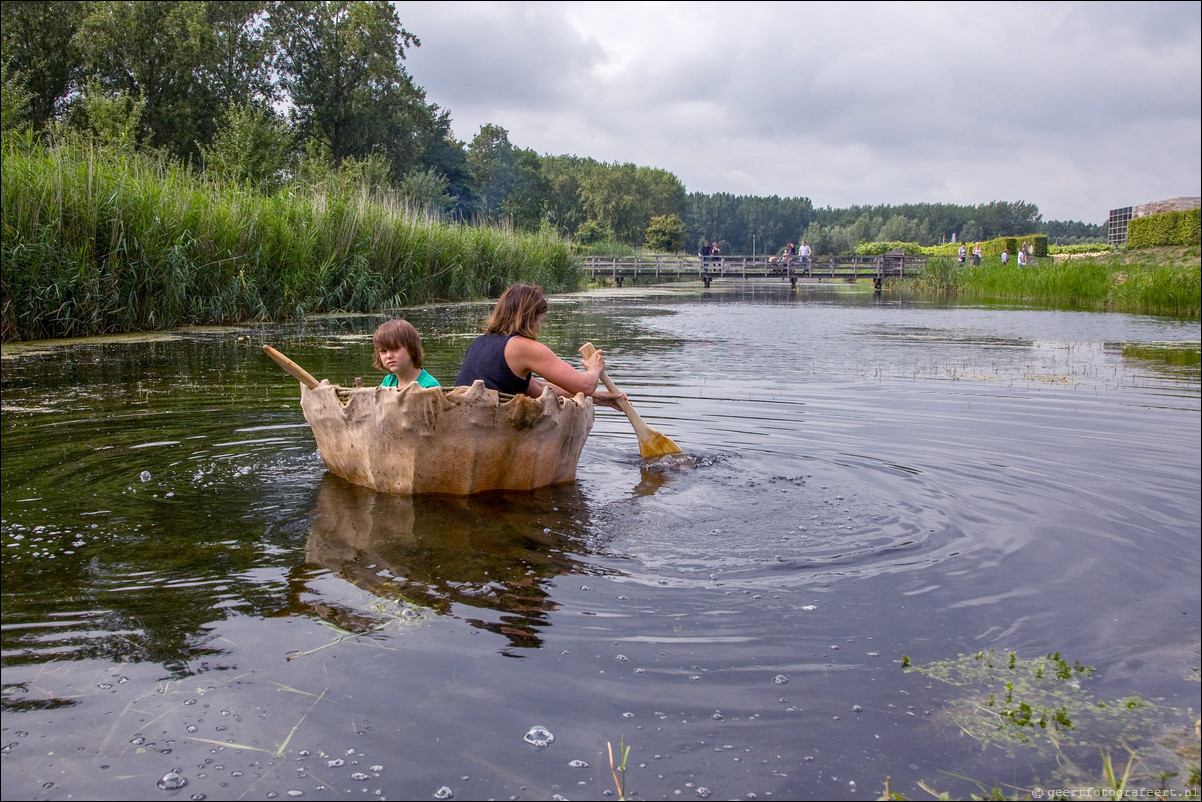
508	353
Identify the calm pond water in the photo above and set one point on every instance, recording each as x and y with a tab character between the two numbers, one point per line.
193	608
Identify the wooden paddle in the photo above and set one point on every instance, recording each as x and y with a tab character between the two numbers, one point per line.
287	364
651	442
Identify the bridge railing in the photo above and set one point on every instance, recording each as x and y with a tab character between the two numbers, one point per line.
667	265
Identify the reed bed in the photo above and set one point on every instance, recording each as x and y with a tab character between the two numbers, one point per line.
1155	282
96	242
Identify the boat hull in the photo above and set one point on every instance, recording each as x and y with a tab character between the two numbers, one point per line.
460	441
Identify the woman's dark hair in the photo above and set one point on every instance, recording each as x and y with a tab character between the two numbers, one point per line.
517	311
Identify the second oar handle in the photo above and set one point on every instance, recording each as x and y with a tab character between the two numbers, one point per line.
299	373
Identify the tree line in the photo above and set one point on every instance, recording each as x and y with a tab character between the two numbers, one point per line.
315	93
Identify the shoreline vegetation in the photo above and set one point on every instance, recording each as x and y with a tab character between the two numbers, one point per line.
98	242
1163	281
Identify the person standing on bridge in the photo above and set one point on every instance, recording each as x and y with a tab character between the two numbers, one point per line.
805	255
705	253
716	252
508	354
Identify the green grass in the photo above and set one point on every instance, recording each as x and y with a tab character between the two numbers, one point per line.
95	242
1158	281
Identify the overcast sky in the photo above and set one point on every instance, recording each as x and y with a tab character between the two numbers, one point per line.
1076	107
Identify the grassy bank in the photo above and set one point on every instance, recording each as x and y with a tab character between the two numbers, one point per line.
96	242
1156	281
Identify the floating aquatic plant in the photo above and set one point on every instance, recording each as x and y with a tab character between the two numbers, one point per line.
1014	702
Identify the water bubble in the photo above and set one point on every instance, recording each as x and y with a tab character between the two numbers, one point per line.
144	476
780	679
622	658
703	792
172	781
857	709
539	736
358	775
578	764
444	793
335	763
376	767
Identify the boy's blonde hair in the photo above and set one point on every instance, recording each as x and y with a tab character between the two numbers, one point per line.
517	310
395	334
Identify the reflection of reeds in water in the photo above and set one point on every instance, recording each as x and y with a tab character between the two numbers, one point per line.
492	554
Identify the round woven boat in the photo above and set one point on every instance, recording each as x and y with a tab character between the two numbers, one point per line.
456	441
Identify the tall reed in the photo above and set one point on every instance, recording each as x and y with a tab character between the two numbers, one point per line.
95	242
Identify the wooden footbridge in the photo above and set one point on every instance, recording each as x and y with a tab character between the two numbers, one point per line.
893	265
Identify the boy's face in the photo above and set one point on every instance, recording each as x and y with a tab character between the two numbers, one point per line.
395	359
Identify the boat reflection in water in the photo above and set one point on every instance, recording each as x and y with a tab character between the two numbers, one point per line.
487	559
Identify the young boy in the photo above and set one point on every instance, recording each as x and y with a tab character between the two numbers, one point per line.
398	350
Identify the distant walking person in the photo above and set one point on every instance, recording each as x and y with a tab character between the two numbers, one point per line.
976	255
1005	257
961	254
1022	257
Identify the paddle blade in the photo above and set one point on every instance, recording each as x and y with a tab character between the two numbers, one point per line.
654	444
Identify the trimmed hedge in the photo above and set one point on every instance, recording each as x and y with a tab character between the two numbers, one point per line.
994	247
1182	228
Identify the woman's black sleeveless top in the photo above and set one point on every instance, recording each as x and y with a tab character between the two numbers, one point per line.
485	359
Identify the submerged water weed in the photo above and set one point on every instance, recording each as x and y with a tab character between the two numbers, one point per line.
1013	702
1108	785
1017	697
